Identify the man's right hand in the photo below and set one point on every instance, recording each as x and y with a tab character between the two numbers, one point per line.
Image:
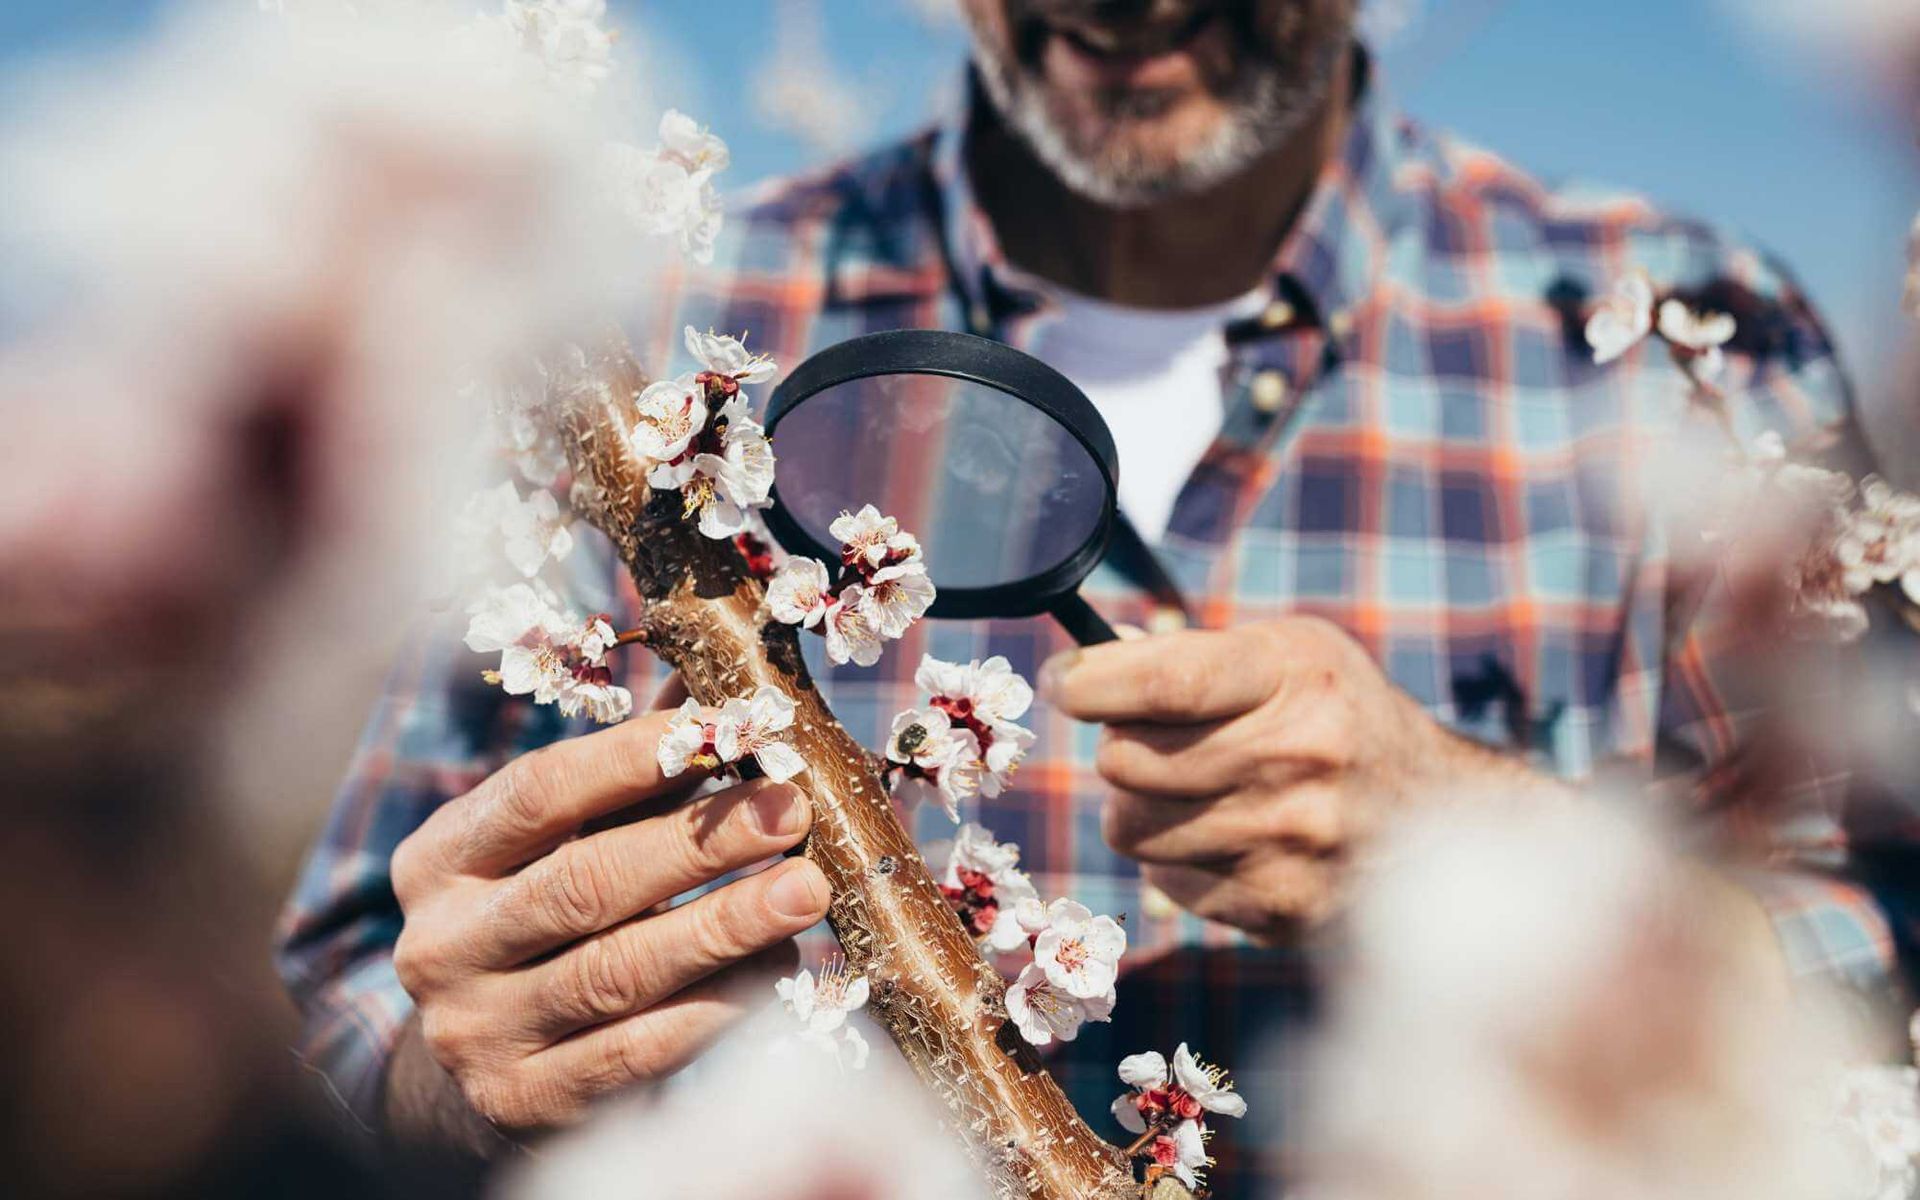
545	966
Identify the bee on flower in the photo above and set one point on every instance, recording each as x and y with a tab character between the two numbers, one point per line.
929	759
986	698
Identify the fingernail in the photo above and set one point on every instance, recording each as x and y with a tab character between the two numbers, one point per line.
780	810
1055	668
801	891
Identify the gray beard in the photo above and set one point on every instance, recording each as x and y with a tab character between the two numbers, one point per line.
1269	106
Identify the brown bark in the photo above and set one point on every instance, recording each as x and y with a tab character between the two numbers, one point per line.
942	1003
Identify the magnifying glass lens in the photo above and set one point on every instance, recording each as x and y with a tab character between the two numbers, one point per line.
997	491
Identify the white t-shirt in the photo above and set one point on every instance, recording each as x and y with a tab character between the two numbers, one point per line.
1156	377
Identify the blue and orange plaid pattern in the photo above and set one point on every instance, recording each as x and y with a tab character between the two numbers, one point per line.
1417	447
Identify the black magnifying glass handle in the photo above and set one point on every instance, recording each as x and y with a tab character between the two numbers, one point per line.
1081	622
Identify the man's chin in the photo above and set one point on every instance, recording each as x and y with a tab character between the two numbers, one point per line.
1136	159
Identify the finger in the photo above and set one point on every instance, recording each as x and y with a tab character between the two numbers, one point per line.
635	966
597	882
1172	678
1303	821
1151	829
1194	761
652	1045
1278	904
538	800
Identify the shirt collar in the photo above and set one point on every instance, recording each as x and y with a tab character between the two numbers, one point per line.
1332	258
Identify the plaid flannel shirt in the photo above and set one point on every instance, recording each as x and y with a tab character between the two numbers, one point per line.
1417	446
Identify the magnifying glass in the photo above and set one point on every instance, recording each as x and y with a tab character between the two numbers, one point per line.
998	464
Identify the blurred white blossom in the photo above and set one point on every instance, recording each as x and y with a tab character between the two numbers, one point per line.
528	532
821	1007
1623	318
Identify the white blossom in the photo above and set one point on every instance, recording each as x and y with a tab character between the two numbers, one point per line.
736	480
822	1008
1044	1013
662	197
694	147
1878	1109
688	740
497	521
1698	336
1207	1084
799	592
672	415
728	357
555	658
935	760
1186	1089
873	539
1879	543
1079	952
850	636
516	424
751	726
987	697
1184	1152
897	596
1623	318
983	882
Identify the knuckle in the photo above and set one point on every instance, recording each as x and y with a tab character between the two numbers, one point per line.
731	927
570	891
451	1037
413	962
520	788
641	1050
606	980
407	872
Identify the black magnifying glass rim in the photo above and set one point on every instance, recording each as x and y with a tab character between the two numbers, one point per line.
991	364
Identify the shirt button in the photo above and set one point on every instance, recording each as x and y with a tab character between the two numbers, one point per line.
1269	391
1277	315
1340	324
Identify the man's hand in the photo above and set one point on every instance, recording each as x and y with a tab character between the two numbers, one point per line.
1248	765
544	962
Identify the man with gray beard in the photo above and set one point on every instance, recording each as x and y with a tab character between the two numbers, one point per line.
1362	448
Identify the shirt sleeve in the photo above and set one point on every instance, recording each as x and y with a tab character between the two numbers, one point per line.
1775	798
437	730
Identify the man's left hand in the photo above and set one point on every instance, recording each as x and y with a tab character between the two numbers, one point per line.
1249	765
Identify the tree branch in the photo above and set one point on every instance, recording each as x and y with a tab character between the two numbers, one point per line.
941	1002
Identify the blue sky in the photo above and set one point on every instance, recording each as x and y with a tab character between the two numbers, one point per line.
1671	97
